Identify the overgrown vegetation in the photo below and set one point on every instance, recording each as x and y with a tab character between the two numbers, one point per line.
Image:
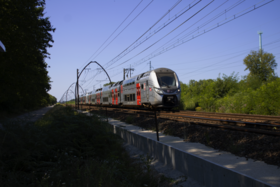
257	93
68	149
228	95
26	33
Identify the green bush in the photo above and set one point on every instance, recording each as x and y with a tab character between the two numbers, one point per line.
264	100
226	94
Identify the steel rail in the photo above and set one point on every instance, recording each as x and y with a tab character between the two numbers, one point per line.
225	124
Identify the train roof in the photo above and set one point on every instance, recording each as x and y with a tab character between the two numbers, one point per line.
134	78
163	70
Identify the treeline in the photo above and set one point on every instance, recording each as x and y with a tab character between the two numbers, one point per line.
227	94
26	34
256	93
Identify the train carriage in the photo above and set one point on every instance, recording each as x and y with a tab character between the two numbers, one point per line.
115	93
159	88
105	95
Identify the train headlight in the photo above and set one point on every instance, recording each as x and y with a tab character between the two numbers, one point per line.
158	91
179	90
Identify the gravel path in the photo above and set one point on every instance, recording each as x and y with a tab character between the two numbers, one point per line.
30	116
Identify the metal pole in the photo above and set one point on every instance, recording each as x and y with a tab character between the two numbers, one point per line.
78	89
106	114
123	73
156	124
260	40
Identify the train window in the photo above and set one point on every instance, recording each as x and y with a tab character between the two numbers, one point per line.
118	94
142	86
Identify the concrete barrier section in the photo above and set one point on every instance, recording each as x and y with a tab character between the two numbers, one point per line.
203	171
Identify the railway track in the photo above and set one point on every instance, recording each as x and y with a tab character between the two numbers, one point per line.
269	125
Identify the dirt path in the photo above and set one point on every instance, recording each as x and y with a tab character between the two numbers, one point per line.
30	116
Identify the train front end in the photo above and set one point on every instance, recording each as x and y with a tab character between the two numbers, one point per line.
167	90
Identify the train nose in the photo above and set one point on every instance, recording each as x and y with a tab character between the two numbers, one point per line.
170	100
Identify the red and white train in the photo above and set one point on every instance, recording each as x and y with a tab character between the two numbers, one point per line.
159	88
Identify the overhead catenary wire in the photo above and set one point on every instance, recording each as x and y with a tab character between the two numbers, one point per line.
155	32
151	55
201	26
169	32
201	68
116	29
124	29
161	19
242	52
247	12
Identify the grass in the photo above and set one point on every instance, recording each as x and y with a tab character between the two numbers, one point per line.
129	119
66	148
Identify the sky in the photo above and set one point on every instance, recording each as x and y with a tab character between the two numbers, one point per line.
198	39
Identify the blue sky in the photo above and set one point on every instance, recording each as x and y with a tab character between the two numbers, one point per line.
83	26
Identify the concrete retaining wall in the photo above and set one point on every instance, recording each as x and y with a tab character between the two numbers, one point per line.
207	173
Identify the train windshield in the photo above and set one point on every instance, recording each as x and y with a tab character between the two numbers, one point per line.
166	80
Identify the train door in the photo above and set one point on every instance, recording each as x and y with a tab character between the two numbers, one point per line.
147	90
138	93
143	92
121	94
113	98
116	95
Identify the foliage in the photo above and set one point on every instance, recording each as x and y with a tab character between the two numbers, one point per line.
260	64
129	119
204	93
52	100
107	84
66	148
23	71
250	95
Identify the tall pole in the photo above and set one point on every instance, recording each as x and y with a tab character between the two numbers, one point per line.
78	88
130	70
260	43
150	66
260	40
123	73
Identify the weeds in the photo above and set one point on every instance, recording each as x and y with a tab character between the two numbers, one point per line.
66	149
129	119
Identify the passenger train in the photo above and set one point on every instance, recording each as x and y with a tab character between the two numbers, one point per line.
159	88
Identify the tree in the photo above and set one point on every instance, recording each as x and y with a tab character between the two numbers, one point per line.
107	84
260	64
23	70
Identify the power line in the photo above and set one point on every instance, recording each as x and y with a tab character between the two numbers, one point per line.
230	20
151	55
155	32
115	30
149	30
216	63
123	29
170	31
